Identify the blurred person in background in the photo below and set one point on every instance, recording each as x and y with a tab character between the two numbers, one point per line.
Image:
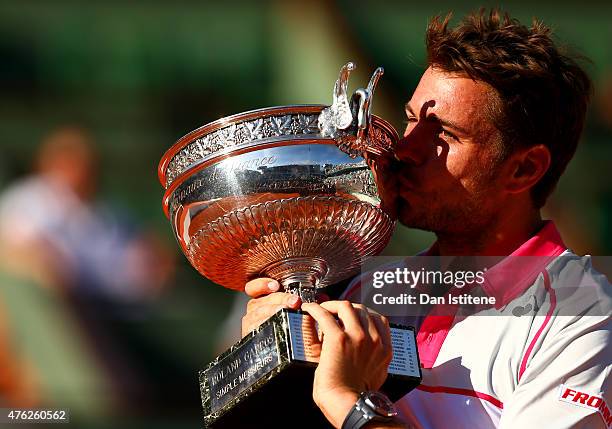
52	218
67	261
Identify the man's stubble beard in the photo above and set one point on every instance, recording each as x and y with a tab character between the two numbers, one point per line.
445	219
469	219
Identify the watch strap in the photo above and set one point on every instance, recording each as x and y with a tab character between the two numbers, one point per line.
355	418
362	413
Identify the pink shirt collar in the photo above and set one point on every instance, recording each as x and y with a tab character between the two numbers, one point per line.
509	278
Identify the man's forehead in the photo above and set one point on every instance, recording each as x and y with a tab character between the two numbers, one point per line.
453	95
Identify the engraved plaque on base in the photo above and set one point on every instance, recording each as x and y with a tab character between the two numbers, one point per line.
265	380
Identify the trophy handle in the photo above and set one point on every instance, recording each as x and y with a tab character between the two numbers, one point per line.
343	116
348	123
364	112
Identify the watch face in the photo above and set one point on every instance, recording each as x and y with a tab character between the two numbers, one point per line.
381	404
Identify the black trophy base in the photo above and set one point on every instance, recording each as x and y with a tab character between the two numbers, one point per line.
265	380
284	401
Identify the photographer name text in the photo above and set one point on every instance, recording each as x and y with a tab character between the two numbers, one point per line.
410	279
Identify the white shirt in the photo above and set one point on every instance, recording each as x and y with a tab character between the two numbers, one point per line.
545	366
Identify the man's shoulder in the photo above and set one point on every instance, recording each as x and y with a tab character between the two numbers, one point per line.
570	267
576	277
580	294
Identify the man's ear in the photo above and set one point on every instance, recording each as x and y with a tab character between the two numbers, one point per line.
525	168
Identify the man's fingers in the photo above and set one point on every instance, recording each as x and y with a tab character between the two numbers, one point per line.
256	317
262	286
347	315
367	323
382	325
326	321
287	300
374	324
261	309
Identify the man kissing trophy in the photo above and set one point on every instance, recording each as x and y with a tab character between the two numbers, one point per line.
286	193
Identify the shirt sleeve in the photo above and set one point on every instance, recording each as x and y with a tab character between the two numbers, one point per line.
351	292
565	384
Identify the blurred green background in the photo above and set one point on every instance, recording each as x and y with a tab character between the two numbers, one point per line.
140	75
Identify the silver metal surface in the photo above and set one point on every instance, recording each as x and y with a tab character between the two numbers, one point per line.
283	192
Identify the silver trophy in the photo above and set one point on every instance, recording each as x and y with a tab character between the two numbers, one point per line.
283	192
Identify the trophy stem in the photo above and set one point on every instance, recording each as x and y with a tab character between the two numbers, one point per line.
298	275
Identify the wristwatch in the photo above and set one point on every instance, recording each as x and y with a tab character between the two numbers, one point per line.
371	406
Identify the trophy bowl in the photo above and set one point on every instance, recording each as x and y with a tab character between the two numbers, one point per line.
282	192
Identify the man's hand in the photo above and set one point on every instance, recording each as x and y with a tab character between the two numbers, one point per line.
355	355
266	301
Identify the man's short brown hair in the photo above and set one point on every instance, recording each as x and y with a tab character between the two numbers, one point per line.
543	93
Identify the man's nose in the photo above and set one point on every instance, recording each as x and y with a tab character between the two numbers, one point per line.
412	148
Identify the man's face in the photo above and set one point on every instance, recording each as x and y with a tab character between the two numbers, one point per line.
447	181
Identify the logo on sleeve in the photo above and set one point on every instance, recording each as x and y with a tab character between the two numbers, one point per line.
586	400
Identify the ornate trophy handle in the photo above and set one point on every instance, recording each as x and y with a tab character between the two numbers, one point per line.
342	115
348	122
364	112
